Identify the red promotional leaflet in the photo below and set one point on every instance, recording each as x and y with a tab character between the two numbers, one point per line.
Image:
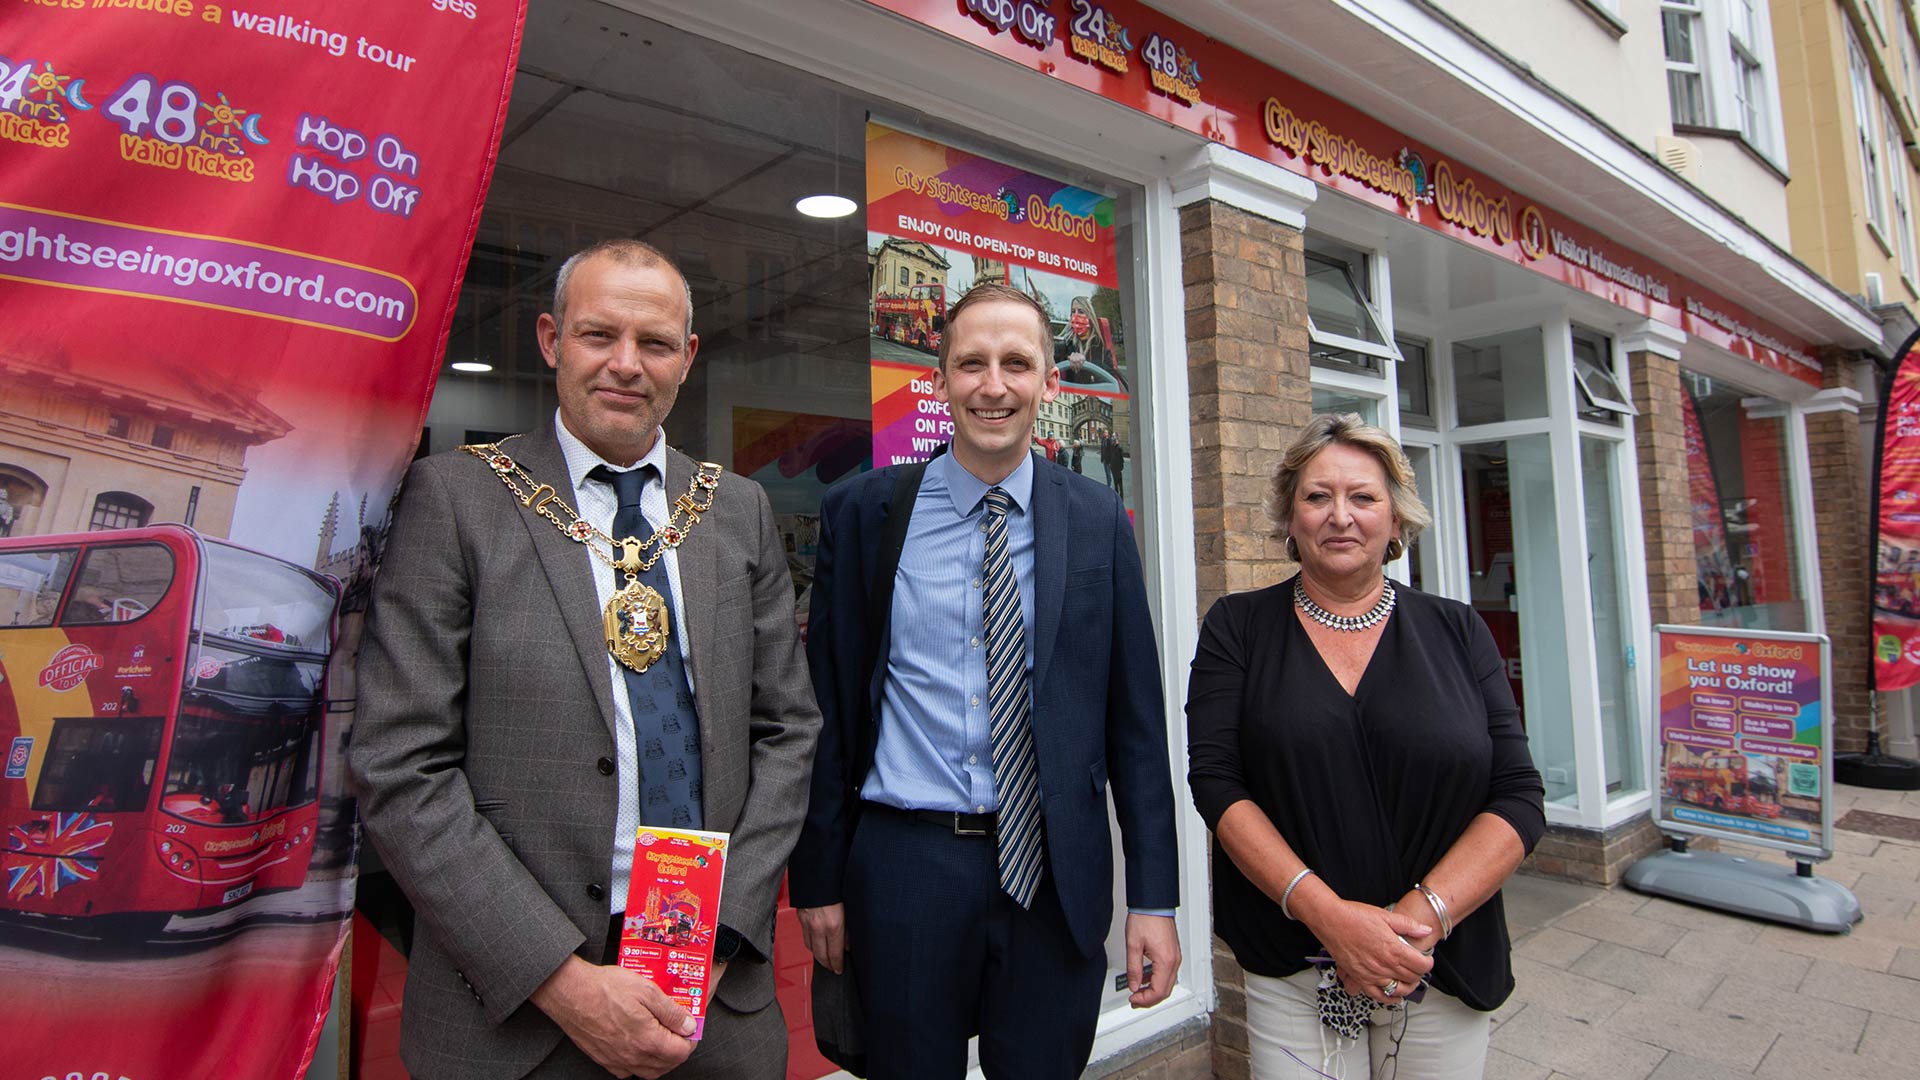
673	910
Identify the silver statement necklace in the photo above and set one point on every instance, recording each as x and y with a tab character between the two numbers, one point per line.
1350	623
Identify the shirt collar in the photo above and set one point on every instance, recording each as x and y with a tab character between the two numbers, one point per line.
967	490
581	459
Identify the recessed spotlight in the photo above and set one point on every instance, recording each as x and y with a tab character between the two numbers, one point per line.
474	367
826	206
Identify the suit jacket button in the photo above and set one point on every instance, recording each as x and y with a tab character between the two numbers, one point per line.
605	765
595	892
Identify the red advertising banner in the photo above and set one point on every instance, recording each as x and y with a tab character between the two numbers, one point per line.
1130	53
231	237
941	220
1896	582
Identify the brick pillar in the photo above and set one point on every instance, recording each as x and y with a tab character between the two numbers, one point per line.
1249	380
1842	503
1666	518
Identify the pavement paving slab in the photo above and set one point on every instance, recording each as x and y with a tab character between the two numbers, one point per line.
1554	947
1796	1015
1617	985
1575	1049
1728	1039
1647	976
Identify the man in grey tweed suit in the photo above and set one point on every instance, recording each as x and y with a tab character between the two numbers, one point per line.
497	756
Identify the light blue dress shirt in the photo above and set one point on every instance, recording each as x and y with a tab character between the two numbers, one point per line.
935	750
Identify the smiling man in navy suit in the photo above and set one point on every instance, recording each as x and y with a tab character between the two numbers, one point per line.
984	659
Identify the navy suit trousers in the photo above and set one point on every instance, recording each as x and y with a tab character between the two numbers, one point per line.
942	954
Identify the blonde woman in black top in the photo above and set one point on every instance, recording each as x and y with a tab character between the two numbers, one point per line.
1357	752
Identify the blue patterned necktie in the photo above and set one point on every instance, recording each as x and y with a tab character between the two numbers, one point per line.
1015	776
666	728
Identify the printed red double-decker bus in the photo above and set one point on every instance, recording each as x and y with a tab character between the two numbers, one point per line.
162	697
916	319
1733	783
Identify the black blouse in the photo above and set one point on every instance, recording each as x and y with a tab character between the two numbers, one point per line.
1369	790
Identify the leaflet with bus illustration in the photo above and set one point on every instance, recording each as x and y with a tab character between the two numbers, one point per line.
673	912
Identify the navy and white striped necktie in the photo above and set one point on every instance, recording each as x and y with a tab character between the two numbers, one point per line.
1015	774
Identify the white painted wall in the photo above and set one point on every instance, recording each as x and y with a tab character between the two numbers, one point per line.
1619	78
1729	173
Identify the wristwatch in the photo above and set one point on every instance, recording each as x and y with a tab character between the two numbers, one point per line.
726	944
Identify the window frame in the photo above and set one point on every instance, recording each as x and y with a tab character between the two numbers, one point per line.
1599	386
1866	139
1356	269
1900	201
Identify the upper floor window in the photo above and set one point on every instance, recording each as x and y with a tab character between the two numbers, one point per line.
1866	137
1718	59
1686	77
1749	70
119	510
1902	198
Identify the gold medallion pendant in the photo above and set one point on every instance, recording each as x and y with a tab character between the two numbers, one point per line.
637	625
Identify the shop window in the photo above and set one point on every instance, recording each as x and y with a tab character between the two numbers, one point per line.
1415	377
1345	329
1600	481
1501	377
1513	559
1330	400
1601	396
119	510
1744	531
700	150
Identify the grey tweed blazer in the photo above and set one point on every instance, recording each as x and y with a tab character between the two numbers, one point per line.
485	710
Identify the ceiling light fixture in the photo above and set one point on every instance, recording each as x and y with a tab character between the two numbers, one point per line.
473	367
826	206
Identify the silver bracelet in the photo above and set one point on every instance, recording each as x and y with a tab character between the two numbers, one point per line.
1292	885
1439	909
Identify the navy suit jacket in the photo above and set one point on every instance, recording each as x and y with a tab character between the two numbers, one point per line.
1098	710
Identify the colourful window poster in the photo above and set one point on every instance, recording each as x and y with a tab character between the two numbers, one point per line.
1744	747
942	220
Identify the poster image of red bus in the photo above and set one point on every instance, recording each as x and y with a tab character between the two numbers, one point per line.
1743	743
230	239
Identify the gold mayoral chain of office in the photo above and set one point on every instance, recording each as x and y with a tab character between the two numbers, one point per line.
635	619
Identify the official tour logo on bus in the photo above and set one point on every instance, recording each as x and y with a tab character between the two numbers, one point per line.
647	839
69	668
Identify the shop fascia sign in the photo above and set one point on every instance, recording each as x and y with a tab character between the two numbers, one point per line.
1138	57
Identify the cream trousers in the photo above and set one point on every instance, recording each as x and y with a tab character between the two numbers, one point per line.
1436	1038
